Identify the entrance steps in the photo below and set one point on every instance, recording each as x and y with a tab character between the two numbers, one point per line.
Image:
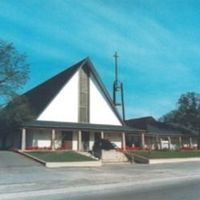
113	157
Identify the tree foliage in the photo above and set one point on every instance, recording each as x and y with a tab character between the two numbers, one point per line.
16	113
14	71
187	113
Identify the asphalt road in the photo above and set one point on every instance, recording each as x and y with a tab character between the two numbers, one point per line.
181	190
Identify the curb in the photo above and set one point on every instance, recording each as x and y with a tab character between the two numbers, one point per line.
32	157
173	160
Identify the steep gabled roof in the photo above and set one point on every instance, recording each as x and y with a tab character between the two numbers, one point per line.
40	96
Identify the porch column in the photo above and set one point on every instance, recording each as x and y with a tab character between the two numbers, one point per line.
180	142
169	143
79	140
160	143
91	142
23	140
157	143
142	140
123	141
102	135
191	144
53	135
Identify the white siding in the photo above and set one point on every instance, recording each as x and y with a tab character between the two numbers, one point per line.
39	138
64	107
100	110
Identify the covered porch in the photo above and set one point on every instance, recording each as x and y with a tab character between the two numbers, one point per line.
43	135
162	142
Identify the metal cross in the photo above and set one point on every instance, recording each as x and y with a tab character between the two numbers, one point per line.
116	66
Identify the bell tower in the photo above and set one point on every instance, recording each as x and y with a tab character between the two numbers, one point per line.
118	93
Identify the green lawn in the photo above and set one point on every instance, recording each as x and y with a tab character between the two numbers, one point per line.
168	154
69	156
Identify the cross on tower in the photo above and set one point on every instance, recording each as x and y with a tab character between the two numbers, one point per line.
116	66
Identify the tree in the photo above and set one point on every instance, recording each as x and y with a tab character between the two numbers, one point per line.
14	71
187	113
12	117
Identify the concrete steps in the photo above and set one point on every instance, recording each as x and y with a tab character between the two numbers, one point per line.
113	157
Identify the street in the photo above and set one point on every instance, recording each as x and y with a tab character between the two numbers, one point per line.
29	180
187	190
174	189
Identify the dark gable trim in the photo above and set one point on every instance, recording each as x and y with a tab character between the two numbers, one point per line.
40	96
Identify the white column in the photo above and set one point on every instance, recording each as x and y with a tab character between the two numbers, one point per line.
143	140
191	144
75	141
79	140
169	143
160	143
53	136
91	142
23	140
102	135
180	142
123	141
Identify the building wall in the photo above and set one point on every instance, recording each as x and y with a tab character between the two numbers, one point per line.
42	139
39	138
115	138
100	110
64	107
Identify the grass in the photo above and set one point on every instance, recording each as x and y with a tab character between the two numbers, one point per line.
168	154
69	156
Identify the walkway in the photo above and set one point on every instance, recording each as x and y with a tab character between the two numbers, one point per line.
12	159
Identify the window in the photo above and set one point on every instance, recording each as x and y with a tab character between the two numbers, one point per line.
83	95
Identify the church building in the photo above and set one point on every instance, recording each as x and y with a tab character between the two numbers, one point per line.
72	110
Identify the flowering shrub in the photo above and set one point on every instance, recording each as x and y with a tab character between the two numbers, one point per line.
61	148
188	148
135	148
37	148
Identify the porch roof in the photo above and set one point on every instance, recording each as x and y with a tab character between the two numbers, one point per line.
80	126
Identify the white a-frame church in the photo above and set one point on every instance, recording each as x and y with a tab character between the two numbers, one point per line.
72	110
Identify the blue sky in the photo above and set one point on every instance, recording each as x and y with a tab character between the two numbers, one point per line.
157	41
